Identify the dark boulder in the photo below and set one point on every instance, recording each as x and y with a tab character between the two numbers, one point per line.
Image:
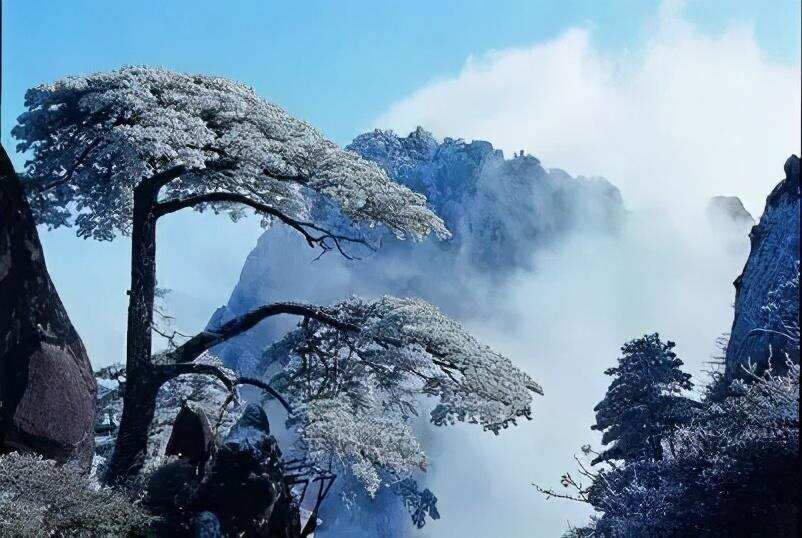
242	492
47	389
191	437
245	484
773	264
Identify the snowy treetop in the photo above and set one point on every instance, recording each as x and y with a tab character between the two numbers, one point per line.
94	138
375	378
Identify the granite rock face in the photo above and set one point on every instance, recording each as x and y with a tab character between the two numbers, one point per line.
769	273
499	210
47	389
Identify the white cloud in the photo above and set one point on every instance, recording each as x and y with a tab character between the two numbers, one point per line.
684	117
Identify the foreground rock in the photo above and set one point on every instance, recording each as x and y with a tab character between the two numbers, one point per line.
245	486
47	389
241	491
773	262
212	467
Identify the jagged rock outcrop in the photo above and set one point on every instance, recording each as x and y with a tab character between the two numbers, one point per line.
499	210
731	223
773	263
47	389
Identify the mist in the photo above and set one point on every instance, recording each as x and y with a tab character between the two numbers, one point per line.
561	315
564	325
685	116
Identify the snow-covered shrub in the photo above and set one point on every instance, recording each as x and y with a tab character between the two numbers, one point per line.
733	471
40	498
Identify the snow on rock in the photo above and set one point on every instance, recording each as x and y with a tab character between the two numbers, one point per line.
772	266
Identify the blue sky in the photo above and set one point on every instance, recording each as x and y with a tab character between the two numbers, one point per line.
336	64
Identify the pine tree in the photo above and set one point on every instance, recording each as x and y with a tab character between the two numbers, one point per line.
643	402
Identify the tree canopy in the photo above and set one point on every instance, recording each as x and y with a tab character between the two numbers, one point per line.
643	401
94	138
353	393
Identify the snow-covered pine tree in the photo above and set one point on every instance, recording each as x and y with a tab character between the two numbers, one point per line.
115	152
643	403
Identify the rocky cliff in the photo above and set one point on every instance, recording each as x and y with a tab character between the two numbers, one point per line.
768	277
499	210
47	390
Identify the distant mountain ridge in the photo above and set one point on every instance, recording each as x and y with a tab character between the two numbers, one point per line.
491	204
731	223
500	211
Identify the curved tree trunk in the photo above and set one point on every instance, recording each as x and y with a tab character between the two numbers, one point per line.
139	400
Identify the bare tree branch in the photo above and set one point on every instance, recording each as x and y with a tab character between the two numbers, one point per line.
267	388
754	332
202	341
169	371
313	234
325	485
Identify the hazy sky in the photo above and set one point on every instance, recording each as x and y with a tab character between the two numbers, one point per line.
673	102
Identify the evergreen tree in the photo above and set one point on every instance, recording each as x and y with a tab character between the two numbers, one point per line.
643	402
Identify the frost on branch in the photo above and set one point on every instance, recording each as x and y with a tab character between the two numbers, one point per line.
781	318
95	137
355	392
366	440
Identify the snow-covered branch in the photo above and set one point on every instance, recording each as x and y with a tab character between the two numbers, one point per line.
206	339
313	234
95	138
355	392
